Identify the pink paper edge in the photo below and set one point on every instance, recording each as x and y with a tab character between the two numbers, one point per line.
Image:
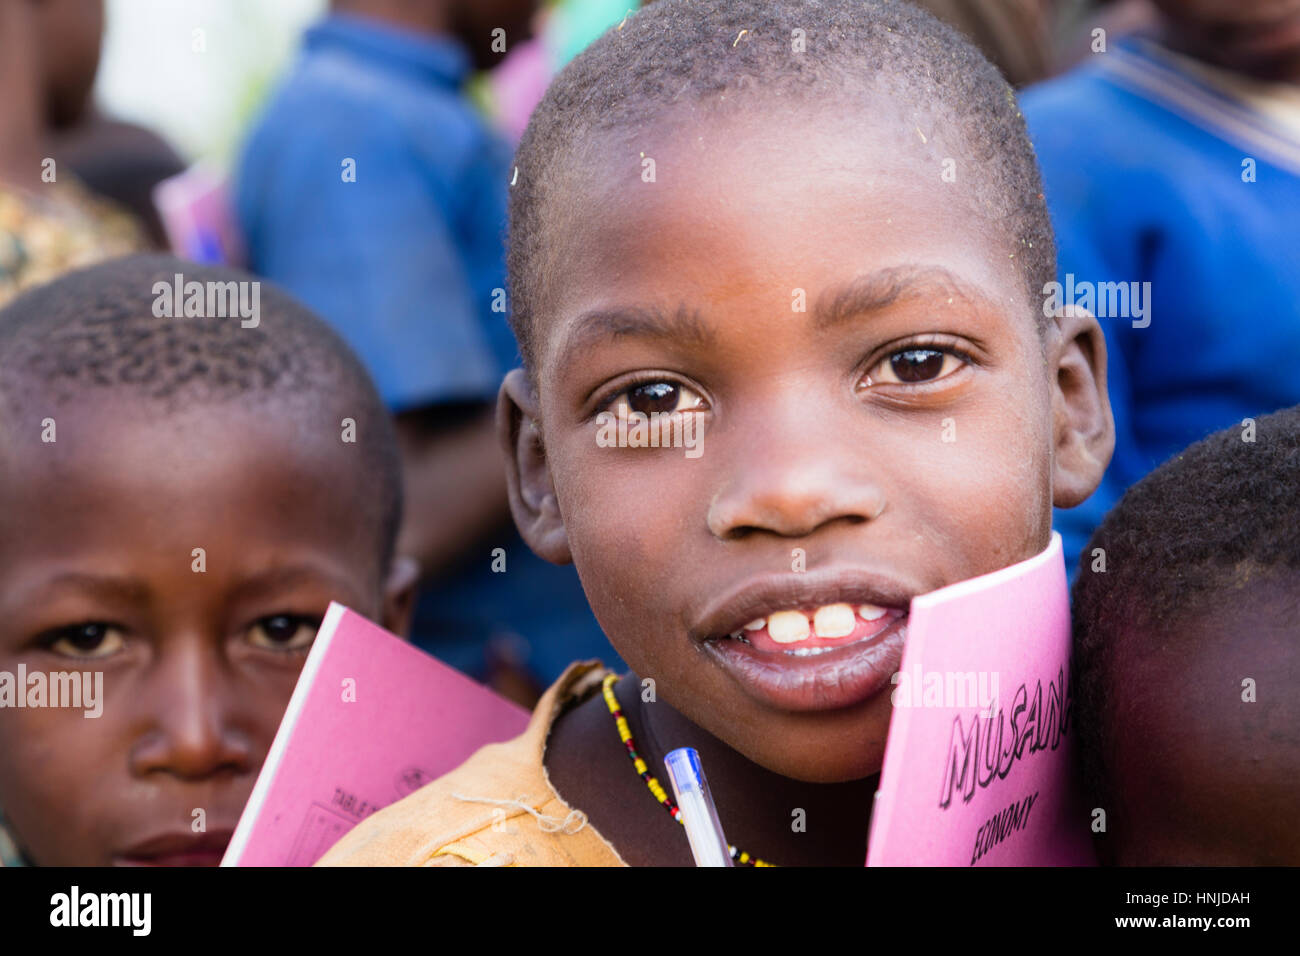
896	739
266	776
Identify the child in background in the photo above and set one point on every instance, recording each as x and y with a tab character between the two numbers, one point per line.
738	211
178	507
49	223
123	162
1189	638
1171	164
372	190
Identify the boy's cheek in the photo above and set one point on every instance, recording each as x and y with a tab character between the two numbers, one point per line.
989	494
617	567
976	499
53	778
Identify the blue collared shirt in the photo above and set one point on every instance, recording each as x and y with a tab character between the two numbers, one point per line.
406	263
372	191
1144	167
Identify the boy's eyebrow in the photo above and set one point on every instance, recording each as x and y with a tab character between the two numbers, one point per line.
137	591
683	326
874	291
126	590
267	583
866	294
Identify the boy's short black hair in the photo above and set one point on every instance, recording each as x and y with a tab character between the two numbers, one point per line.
675	53
96	329
1224	511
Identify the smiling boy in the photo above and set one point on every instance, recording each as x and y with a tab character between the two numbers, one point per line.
178	507
911	426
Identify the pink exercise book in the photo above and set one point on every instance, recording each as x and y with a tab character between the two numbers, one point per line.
979	766
371	720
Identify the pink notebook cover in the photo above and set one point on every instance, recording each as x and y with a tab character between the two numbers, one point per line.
194	206
371	720
960	787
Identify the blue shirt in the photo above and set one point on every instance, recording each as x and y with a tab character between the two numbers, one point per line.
372	191
1143	172
403	260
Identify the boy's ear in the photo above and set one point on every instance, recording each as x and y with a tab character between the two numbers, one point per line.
1083	428
528	476
399	595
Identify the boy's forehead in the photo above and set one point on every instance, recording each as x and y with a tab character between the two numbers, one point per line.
60	431
146	460
732	209
1227	662
120	486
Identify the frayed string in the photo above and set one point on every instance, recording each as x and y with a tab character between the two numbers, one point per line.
574	821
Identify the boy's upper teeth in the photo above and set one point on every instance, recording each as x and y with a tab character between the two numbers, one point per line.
786	627
828	621
834	620
870	612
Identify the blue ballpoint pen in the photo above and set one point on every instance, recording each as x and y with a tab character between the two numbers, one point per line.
695	802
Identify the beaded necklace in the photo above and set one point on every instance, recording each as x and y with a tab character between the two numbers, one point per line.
656	788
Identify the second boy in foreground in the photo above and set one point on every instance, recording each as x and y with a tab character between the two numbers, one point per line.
179	504
1185	633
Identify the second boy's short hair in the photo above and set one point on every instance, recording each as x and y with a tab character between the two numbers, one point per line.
93	333
688	52
1220	513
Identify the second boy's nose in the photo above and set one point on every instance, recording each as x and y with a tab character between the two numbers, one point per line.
190	732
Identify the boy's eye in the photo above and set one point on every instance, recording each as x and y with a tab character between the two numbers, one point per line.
914	367
86	641
661	397
283	632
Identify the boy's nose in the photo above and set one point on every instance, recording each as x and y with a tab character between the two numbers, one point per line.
190	732
791	482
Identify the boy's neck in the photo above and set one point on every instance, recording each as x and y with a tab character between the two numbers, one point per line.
777	818
772	817
22	127
426	18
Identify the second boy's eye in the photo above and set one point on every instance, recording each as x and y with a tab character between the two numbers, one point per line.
92	640
283	632
914	366
661	397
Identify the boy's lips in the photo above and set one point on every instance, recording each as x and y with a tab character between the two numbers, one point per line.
813	641
177	849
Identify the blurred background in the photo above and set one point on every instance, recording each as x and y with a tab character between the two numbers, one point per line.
216	80
196	73
220	59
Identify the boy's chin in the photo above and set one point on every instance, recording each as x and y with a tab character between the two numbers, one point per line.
810	757
835	769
